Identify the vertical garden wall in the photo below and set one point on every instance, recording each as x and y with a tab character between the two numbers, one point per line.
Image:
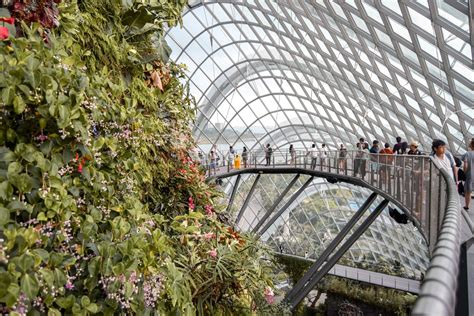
101	208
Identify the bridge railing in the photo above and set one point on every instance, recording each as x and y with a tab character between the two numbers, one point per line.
413	180
438	291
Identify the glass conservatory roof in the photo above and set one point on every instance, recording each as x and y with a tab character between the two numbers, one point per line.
299	71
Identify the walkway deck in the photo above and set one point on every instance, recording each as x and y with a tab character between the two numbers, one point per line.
370	277
467	222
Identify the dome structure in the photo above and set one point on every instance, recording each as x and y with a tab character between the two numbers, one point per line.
330	72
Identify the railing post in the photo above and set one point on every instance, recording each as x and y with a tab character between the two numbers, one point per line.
421	180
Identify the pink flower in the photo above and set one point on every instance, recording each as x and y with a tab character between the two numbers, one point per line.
208	236
42	138
191	203
208	209
269	295
213	253
69	285
79	168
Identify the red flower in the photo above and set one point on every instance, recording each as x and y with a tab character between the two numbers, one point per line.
4	33
191	203
79	168
8	20
77	157
208	209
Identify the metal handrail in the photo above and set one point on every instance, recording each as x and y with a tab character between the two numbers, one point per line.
438	291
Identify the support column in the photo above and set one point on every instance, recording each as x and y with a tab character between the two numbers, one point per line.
247	199
316	272
275	204
284	207
234	190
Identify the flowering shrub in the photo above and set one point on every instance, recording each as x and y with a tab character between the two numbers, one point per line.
101	208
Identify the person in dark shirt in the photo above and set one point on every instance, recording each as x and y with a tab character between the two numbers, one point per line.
374	150
375	147
398	146
414	149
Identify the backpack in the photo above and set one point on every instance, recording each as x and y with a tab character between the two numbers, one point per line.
451	159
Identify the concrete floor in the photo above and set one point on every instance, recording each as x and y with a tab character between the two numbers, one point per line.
467	221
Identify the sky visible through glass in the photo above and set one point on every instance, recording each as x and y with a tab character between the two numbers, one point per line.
295	72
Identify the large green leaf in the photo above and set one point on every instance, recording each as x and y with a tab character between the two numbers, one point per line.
4	216
19	105
8	94
138	17
6	191
22	182
29	286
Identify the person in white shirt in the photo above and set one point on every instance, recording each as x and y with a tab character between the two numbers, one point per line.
313	154
230	157
444	158
323	155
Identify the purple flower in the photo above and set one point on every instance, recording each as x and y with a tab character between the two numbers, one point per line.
42	138
69	285
213	253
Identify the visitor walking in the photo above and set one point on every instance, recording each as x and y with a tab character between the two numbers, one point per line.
245	156
313	154
468	167
400	160
398	145
230	157
342	162
358	158
414	149
374	150
268	155
212	166
237	161
365	158
323	154
292	155
386	161
444	158
363	142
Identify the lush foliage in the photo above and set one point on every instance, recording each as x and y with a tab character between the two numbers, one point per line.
101	208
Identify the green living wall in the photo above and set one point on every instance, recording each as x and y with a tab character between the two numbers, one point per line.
101	208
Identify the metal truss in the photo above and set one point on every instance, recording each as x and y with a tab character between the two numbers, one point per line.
323	264
360	68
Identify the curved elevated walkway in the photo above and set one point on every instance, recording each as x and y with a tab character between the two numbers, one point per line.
415	184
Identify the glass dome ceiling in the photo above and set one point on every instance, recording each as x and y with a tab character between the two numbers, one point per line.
299	71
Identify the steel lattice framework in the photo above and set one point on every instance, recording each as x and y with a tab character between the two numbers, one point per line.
300	71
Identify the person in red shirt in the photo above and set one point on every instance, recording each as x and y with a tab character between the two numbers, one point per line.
386	161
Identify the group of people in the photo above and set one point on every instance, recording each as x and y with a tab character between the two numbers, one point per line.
460	170
234	160
383	160
376	156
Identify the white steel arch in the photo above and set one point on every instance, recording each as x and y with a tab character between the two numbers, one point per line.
377	68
